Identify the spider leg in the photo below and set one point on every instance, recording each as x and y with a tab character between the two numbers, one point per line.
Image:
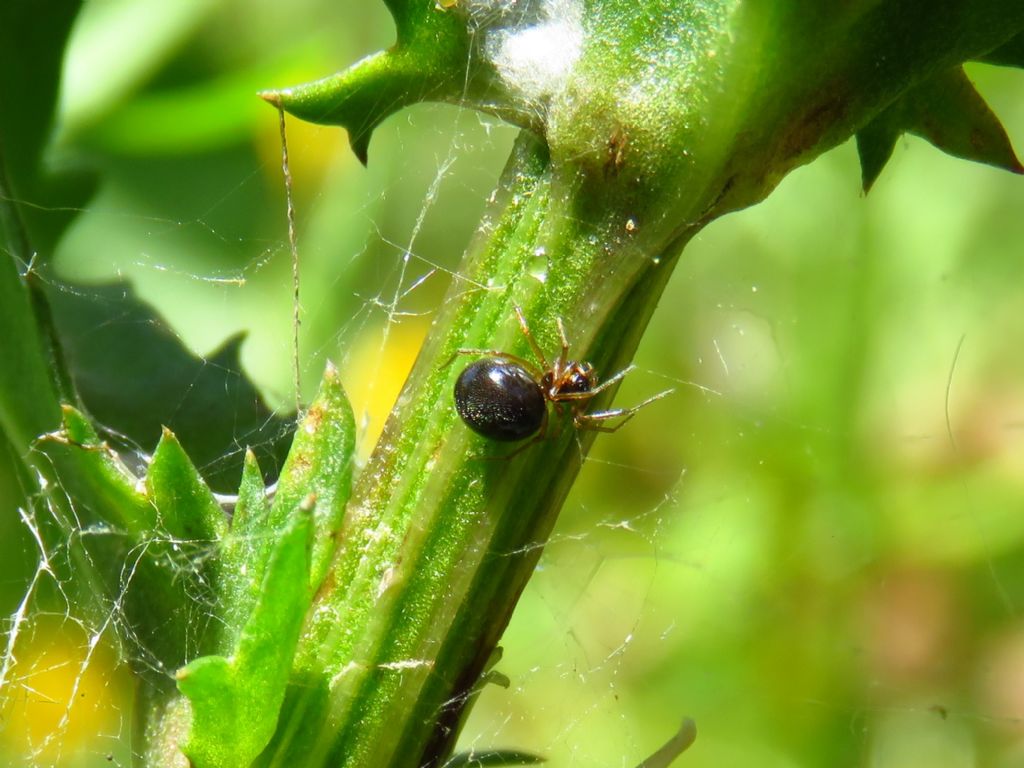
525	328
528	366
598	389
612	380
593	420
564	357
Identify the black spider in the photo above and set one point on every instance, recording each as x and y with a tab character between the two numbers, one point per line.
504	397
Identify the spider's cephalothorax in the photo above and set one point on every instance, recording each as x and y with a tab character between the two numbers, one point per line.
504	397
574	378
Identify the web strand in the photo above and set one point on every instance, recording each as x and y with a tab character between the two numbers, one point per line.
294	246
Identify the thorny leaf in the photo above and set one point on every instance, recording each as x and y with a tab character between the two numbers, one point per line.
131	557
1009	54
425	64
947	111
318	471
135	375
235	699
320	463
273	560
187	508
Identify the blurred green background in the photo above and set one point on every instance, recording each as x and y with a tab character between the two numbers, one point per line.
815	547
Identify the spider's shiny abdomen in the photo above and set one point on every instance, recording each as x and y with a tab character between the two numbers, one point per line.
500	400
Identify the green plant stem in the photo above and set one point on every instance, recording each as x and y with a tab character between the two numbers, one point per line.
443	532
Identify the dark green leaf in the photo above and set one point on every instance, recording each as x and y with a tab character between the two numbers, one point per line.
875	144
947	111
28	394
1010	54
30	31
21	553
32	39
135	376
952	115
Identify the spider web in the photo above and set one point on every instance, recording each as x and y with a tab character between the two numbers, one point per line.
814	547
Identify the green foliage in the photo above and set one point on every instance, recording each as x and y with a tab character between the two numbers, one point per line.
427	63
27	97
185	507
135	377
674	113
1009	54
272	562
319	463
647	136
94	474
235	699
171	510
30	376
320	629
28	394
160	382
949	112
317	479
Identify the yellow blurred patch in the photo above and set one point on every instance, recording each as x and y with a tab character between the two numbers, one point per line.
62	699
375	373
313	150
